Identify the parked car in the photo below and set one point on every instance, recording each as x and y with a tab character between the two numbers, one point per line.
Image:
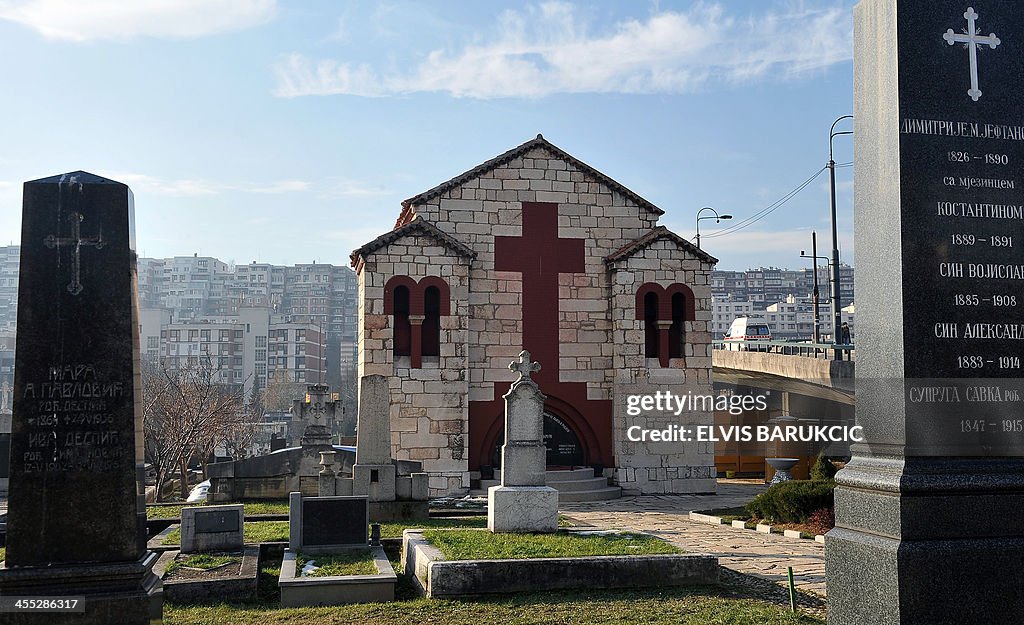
199	492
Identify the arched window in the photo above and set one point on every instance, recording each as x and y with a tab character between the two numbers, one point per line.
651	325
676	332
432	321
664	312
416	309
403	329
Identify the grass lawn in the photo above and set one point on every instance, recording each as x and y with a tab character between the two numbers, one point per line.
358	562
720	605
274	506
700	606
257	532
475	545
3	553
203	561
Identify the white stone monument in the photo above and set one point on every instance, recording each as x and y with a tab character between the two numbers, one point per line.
523	502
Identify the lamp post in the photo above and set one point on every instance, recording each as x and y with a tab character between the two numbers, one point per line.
718	218
837	307
814	255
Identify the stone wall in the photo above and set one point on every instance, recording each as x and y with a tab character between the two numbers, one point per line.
429	405
661	467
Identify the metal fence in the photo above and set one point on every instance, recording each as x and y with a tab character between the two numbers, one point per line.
807	350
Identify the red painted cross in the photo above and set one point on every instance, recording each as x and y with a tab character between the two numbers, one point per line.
540	256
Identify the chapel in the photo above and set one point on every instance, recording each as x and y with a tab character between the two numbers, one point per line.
536	250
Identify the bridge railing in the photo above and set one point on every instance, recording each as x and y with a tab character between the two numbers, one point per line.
807	350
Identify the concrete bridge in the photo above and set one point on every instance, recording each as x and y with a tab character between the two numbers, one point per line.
802	368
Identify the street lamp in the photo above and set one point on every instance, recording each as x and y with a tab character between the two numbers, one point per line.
814	255
837	308
718	218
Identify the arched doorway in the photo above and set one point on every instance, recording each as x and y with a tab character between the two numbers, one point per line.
564	448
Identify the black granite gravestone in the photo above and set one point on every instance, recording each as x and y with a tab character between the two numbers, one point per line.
76	509
928	529
329	521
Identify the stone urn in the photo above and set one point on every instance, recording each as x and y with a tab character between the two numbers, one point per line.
782	467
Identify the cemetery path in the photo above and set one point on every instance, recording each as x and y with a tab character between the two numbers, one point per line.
765	556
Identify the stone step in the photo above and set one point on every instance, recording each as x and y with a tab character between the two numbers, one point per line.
569	486
566	475
562	486
569	475
599	494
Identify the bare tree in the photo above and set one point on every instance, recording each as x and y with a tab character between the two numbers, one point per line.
186	414
281	390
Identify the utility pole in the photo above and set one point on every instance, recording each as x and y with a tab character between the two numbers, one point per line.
817	299
817	319
837	307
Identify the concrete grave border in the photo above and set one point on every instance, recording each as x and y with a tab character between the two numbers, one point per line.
436	577
298	591
241	587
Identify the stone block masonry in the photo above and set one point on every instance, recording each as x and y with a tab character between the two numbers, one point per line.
523	243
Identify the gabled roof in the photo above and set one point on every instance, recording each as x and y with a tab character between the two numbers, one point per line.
538	142
661	232
414	227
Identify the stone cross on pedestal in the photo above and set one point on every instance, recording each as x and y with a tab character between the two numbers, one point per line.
524	367
972	39
523	502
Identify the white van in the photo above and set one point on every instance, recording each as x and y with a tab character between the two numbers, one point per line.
748	329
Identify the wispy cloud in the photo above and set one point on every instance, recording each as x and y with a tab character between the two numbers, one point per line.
552	48
754	242
283	186
355	188
191	188
75	20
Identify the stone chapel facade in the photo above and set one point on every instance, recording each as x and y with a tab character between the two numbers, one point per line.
537	250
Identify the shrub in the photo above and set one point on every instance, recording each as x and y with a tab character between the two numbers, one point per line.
793	501
823	470
821	521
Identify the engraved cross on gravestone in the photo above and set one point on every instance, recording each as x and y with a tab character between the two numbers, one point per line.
51	241
971	39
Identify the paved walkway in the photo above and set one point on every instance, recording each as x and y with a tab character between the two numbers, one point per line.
745	551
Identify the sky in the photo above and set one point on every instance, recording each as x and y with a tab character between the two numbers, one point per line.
288	131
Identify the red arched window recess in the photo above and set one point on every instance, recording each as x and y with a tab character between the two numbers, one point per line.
651	324
417	308
403	329
431	321
664	312
683	310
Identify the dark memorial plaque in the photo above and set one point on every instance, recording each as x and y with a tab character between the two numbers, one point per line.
330	521
76	508
928	508
961	125
218	521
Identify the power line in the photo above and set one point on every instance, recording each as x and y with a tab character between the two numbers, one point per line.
768	210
